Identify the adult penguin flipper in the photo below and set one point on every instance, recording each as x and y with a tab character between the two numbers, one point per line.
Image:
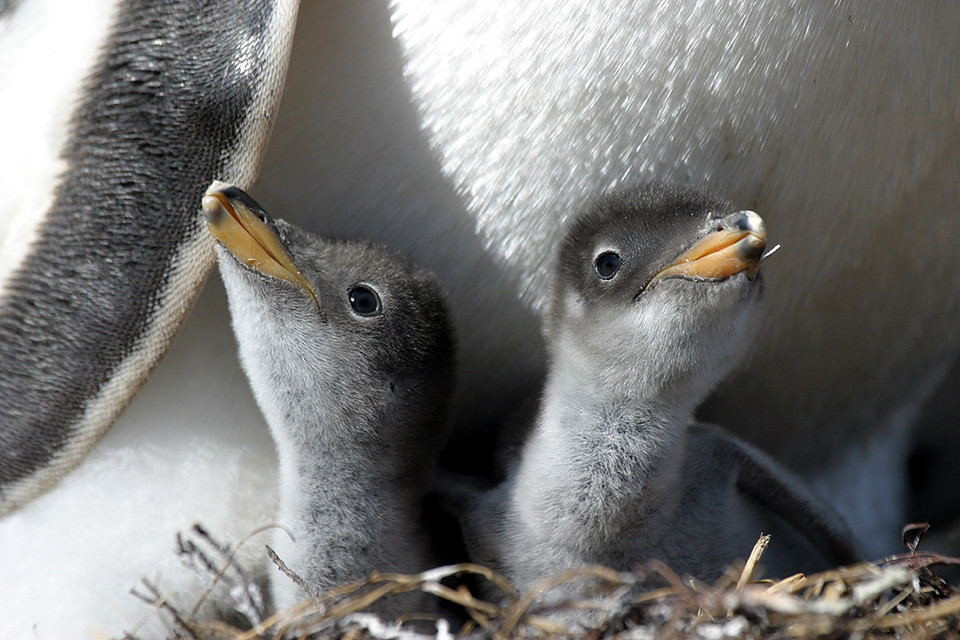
99	270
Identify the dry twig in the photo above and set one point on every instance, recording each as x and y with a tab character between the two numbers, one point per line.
897	598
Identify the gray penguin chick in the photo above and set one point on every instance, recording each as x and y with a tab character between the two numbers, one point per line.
655	293
349	353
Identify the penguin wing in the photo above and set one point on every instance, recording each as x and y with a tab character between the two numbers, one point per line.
176	94
765	482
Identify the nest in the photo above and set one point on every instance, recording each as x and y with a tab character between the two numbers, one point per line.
898	597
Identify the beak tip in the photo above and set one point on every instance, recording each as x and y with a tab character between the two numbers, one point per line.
217	186
752	222
757	242
212	208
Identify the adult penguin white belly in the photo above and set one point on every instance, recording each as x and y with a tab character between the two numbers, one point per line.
460	133
109	142
458	136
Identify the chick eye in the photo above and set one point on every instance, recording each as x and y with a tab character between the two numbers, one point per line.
607	264
365	301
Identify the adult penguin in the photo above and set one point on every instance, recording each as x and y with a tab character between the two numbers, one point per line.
104	251
489	123
414	124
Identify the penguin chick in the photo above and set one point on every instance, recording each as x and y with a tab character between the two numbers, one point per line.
350	356
655	294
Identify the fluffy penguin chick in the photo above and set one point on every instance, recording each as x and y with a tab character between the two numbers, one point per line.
655	292
349	353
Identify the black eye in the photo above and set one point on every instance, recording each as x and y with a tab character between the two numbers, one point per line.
607	264
364	300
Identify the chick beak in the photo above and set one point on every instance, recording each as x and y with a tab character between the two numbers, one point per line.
238	223
736	244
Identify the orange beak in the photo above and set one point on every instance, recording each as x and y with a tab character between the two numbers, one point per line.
248	238
737	245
